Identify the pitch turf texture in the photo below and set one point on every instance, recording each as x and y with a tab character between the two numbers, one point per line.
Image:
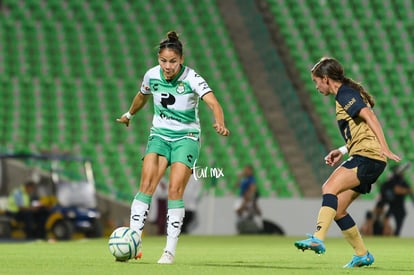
206	255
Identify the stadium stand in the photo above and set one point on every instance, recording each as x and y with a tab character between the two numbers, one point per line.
373	39
71	67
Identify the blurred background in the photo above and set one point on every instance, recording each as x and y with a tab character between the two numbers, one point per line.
69	68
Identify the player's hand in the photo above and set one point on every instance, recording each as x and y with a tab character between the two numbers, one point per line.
124	120
221	129
390	155
333	157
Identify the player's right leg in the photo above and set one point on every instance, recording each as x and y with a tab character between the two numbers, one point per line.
341	180
154	164
325	217
153	168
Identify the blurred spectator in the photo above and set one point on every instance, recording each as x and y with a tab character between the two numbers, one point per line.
24	206
249	215
377	223
393	193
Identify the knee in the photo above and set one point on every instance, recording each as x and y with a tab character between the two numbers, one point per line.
326	189
175	192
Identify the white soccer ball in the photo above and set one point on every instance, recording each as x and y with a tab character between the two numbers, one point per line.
124	244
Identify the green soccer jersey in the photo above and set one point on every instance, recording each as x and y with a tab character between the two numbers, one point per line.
175	102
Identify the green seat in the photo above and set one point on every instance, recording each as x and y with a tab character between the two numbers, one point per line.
81	51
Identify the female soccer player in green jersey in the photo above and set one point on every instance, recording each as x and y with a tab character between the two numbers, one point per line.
368	153
174	138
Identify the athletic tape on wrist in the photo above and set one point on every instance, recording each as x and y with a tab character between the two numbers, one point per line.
343	150
127	115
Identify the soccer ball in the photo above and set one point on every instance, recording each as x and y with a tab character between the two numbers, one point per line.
124	244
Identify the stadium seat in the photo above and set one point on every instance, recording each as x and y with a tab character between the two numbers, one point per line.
80	63
377	42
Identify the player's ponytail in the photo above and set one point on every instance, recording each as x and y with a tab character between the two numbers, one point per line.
331	68
357	86
172	42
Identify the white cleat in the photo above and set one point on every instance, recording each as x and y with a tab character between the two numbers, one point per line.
166	258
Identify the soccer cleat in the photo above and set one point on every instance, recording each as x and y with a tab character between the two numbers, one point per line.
166	258
358	261
312	243
139	255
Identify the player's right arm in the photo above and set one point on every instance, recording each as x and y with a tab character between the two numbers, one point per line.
138	102
335	155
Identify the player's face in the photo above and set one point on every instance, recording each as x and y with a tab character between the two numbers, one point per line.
321	84
170	63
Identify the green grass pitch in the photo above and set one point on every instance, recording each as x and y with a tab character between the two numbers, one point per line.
216	255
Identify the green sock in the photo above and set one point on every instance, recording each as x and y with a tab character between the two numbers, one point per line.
175	204
143	197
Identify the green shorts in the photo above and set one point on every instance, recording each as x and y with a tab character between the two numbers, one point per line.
184	150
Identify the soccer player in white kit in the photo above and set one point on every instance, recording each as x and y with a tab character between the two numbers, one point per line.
174	138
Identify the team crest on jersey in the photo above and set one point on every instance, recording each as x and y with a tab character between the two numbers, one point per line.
180	88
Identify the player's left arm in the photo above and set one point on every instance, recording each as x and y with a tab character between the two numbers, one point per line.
215	106
371	119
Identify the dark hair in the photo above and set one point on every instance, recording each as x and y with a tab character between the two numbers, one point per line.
30	183
172	42
331	68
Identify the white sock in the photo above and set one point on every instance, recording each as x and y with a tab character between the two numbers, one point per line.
139	213
175	218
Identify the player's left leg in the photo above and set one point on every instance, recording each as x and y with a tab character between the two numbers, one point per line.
179	176
184	155
350	231
347	224
368	171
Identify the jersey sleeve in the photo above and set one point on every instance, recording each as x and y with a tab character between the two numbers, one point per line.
199	84
351	101
145	86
